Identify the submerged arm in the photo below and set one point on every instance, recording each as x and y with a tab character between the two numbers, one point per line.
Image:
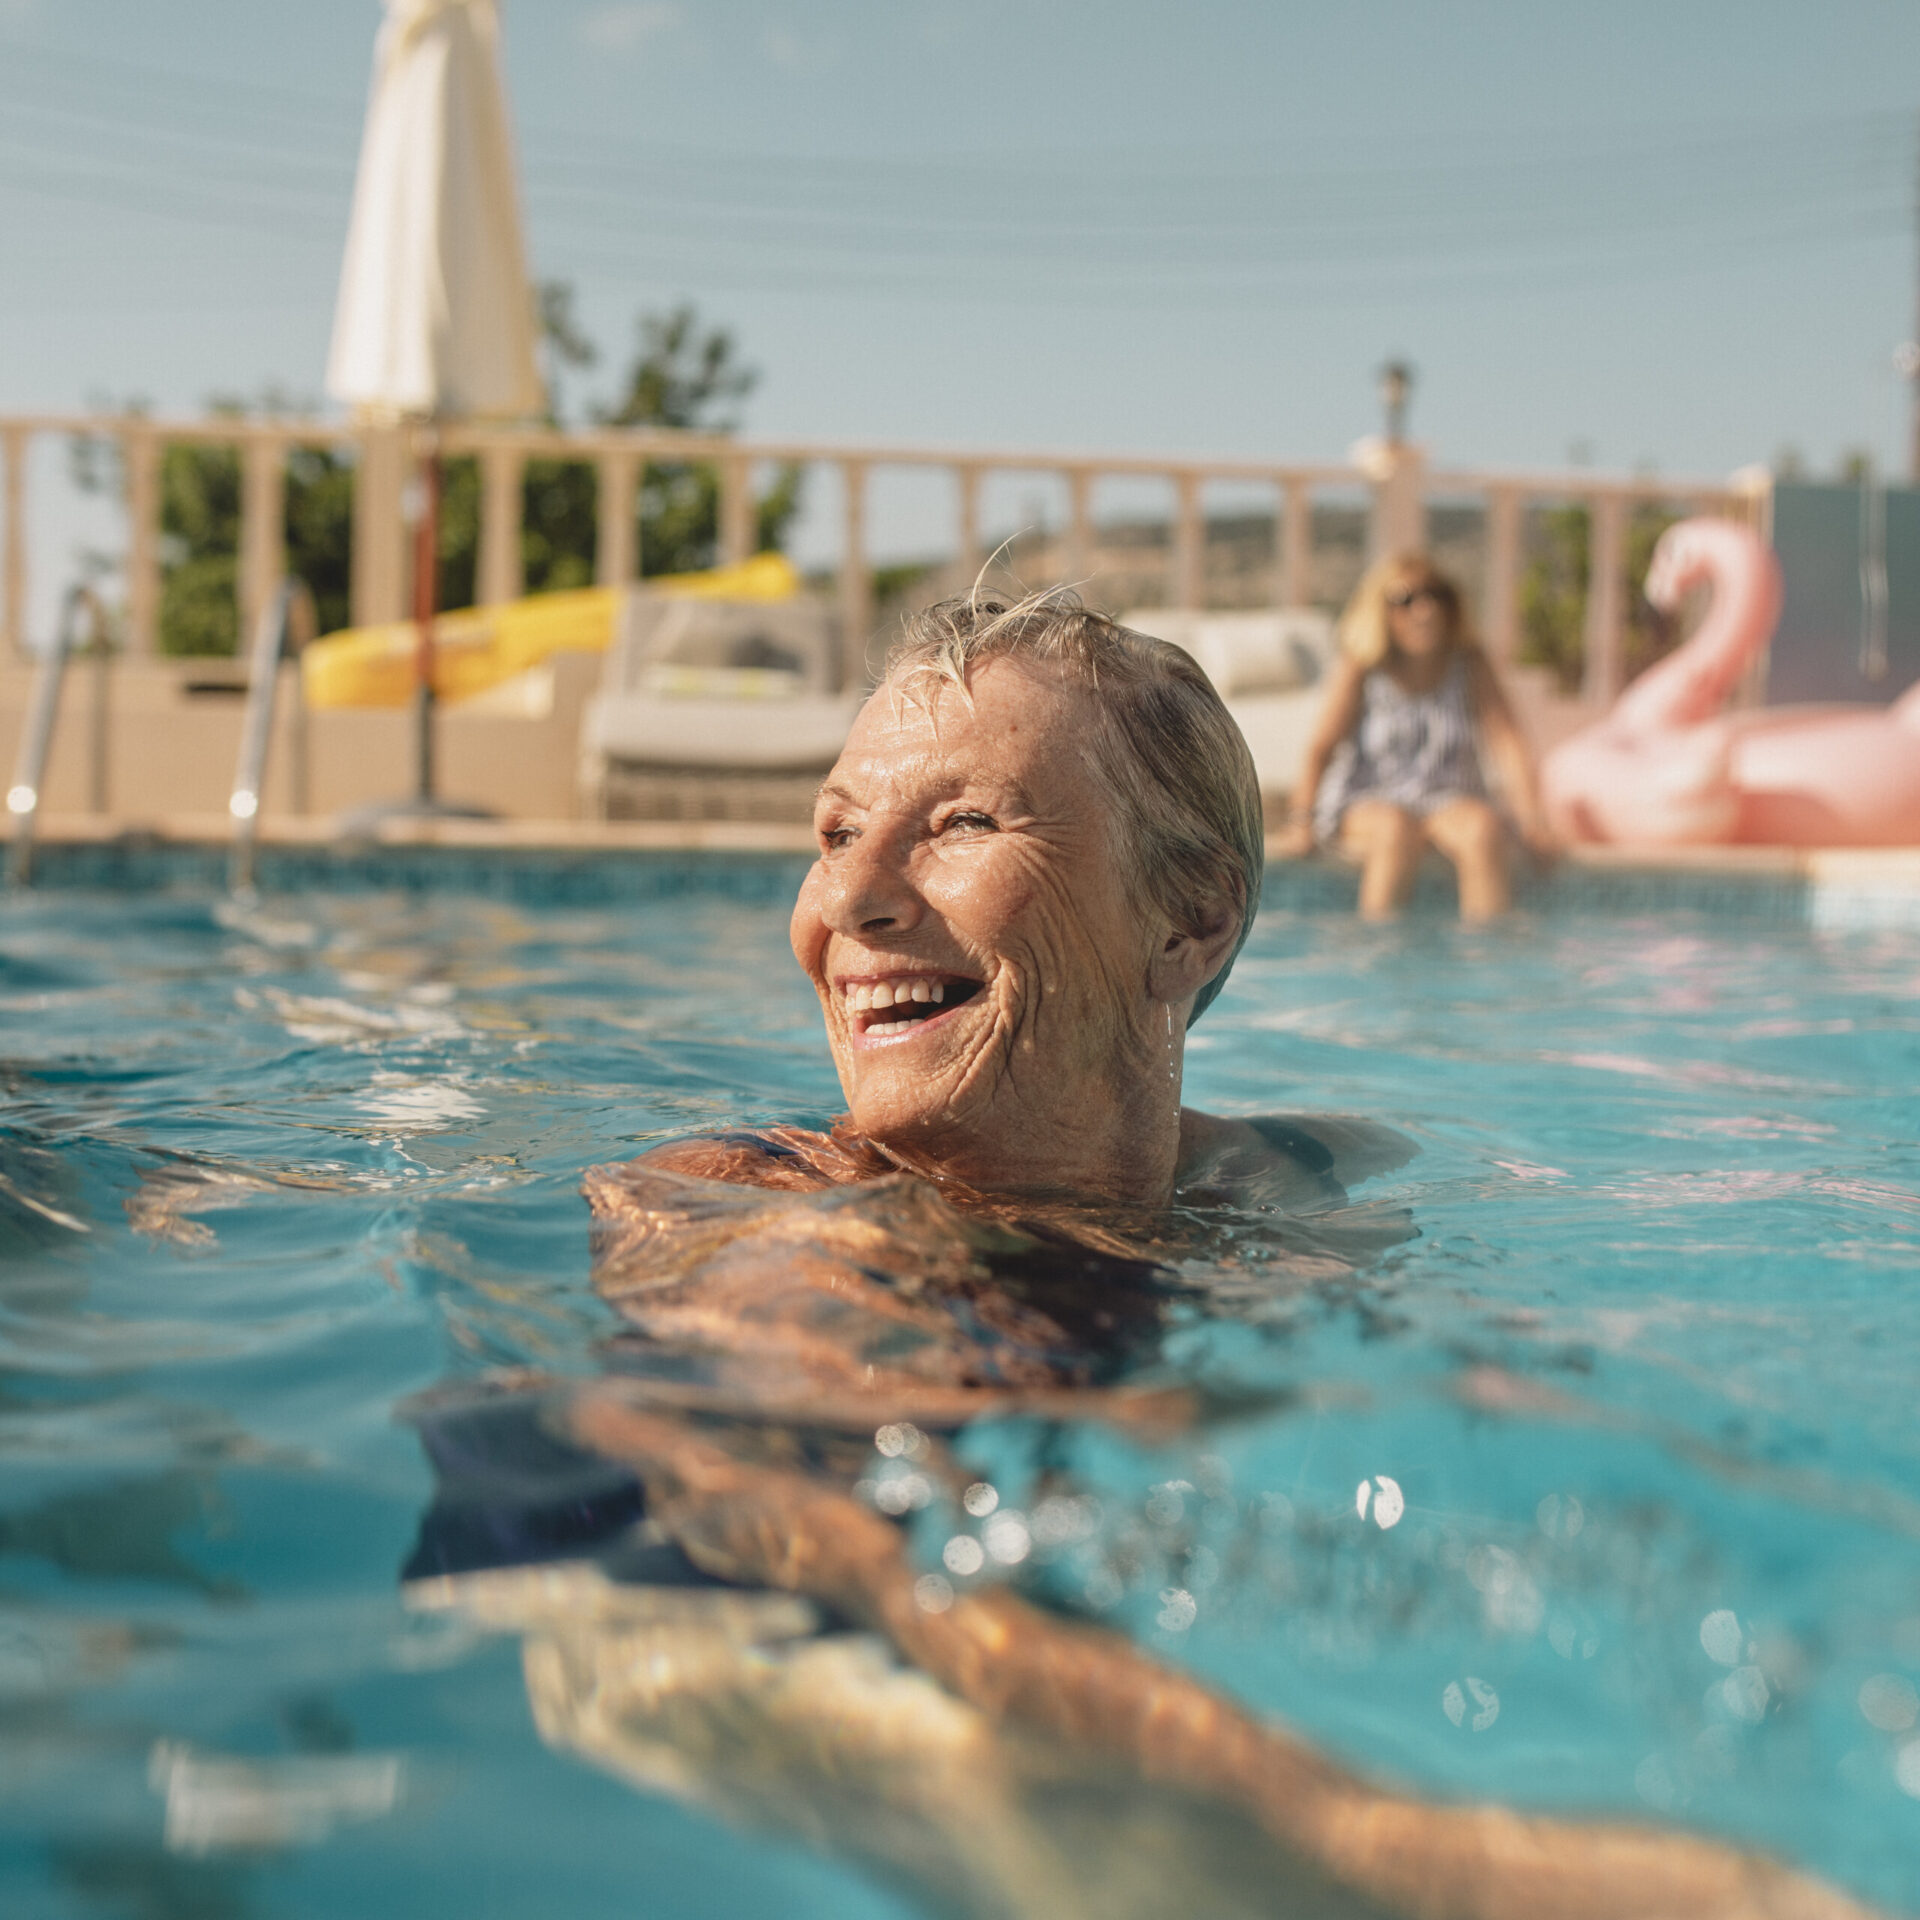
1359	1849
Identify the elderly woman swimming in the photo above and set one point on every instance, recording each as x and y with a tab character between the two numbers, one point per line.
1037	858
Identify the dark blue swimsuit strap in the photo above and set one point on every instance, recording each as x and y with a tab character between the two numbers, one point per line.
1312	1154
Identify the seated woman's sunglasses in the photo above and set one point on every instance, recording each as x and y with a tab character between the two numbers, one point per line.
1399	602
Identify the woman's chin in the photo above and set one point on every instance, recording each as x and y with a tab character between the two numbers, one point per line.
902	1101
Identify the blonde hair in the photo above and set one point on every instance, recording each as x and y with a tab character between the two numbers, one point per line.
1169	751
1365	637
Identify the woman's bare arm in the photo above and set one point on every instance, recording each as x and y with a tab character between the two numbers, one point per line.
1506	746
1339	714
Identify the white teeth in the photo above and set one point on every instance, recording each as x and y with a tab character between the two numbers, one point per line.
883	995
939	992
922	992
858	999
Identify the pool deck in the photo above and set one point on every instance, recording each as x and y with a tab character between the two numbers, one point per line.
1896	868
589	861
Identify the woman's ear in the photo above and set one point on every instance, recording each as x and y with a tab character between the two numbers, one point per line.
1188	957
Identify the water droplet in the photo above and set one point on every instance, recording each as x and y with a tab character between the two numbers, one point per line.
1722	1638
964	1555
1746	1694
980	1499
1178	1610
1471	1703
1888	1702
1007	1538
1561	1516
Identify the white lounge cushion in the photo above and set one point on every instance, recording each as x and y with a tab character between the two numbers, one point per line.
768	735
1271	651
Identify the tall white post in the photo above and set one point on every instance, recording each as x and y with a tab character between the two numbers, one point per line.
1399	522
1607	559
1296	545
263	526
856	581
736	510
13	604
616	543
379	573
1189	543
1502	610
500	574
1079	525
140	455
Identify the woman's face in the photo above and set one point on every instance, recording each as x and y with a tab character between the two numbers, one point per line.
969	923
1417	617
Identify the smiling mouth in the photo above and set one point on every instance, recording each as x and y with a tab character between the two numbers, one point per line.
889	1009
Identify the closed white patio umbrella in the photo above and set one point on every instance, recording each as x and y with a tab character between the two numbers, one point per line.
435	315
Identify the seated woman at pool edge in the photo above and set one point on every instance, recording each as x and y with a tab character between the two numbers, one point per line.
1394	764
1039	853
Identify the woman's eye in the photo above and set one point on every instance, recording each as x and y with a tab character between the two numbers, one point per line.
835	837
970	823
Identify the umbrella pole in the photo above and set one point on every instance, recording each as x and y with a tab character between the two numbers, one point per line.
426	581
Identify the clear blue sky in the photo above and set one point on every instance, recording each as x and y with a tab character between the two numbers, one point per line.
1676	234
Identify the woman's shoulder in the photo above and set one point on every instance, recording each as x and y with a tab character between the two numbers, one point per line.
1289	1160
791	1159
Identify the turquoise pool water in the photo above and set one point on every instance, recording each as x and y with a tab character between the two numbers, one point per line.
1643	1384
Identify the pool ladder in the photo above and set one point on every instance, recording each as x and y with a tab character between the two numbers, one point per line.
285	625
36	742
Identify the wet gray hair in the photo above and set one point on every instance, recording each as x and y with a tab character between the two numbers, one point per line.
1169	749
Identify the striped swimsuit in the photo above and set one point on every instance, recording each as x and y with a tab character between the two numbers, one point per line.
1418	750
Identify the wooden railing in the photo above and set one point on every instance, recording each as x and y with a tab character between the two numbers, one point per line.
1397	479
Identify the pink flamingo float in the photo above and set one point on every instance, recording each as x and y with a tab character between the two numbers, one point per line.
1667	767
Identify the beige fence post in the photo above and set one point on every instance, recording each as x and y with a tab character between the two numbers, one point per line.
736	510
1502	611
1607	519
140	455
615	546
1189	543
856	581
1296	546
13	605
500	576
1079	525
971	557
263	526
379	584
1399	520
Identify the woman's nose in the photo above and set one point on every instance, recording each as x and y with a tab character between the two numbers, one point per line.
869	889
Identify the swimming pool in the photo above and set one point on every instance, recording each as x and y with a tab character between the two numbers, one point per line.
1632	1414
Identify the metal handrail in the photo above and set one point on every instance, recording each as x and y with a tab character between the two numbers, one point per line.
286	623
36	741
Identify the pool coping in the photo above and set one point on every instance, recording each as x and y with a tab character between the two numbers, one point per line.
587	861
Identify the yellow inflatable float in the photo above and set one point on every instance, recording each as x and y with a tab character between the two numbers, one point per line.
478	648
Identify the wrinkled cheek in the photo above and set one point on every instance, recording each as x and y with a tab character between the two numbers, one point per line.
1077	985
807	930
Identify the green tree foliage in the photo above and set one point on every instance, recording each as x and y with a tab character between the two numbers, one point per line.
684	374
688	376
1553	593
200	530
